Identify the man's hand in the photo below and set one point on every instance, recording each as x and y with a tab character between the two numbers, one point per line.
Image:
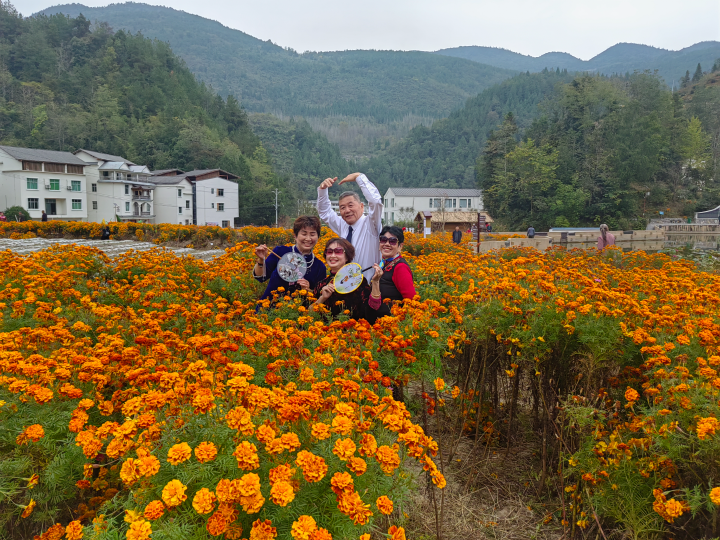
349	178
328	182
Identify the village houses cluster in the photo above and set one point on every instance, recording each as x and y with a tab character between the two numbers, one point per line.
92	186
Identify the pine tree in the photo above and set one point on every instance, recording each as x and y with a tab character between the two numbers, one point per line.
684	81
716	66
698	73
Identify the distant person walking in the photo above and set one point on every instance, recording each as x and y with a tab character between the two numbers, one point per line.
457	235
363	232
2	216
44	216
606	238
531	232
489	228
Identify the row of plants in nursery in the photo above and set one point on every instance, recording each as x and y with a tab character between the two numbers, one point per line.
146	395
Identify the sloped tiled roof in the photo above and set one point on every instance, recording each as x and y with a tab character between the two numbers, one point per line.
164	172
166	180
105	157
435	192
48	156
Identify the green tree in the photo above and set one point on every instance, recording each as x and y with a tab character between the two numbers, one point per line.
698	73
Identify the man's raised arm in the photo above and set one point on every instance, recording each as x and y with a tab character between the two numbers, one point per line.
324	207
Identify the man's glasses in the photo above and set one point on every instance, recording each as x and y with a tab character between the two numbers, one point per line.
336	251
388	240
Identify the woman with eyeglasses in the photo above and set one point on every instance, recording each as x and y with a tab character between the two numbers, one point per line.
362	303
393	273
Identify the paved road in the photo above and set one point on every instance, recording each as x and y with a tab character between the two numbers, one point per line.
110	247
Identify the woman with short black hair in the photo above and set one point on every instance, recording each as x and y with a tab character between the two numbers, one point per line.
393	273
307	233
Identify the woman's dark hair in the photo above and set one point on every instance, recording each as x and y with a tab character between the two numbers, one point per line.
311	222
397	232
347	246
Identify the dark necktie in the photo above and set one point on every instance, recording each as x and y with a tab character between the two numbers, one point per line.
349	236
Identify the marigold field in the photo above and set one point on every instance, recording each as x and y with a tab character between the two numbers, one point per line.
144	397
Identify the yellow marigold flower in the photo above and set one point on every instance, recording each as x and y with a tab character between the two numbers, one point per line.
247	457
368	445
388	458
706	427
203	501
344	449
28	509
205	452
154	510
303	528
631	395
342	425
357	465
385	505
439	384
139	530
396	533
179	453
320	431
674	508
33	481
715	495
282	493
173	494
74	530
281	473
455	392
129	472
248	485
265	434
263	530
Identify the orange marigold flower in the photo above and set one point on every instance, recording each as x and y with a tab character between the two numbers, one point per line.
217	524
342	425
313	467
344	449
28	509
357	465
396	533
715	496
265	434
129	472
368	445
674	508
247	457
263	530
74	530
706	427
320	431
631	395
341	483
321	534
303	528
139	530
352	506
204	501
388	458
206	451
179	453
282	493
154	510
281	473
173	494
240	418
33	433
439	384
290	441
385	505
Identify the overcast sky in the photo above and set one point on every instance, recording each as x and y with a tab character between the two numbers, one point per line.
583	28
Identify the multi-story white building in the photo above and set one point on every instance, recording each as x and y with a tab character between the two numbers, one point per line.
173	197
119	189
46	180
214	195
403	204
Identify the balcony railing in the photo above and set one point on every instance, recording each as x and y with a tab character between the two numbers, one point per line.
141	197
142	214
125	177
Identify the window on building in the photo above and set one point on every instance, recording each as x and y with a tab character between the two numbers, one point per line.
179	192
54	185
32	183
225	224
187	222
221	207
392	203
436	203
94	205
464	203
212	191
77	204
431	203
127	206
127	189
221	192
385	202
179	209
76	185
187	204
454	203
33	203
386	216
94	188
212	205
448	203
392	218
54	167
75	169
32	166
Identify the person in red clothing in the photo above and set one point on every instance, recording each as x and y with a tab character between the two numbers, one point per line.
393	273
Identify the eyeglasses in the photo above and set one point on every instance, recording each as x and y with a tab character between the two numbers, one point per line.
336	251
388	240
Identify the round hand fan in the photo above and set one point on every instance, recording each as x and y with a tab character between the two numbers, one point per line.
348	278
292	267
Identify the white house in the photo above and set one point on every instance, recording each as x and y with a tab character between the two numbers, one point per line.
214	198
173	197
41	180
119	189
403	204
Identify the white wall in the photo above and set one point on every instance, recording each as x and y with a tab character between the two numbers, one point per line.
168	203
393	204
14	190
109	194
207	200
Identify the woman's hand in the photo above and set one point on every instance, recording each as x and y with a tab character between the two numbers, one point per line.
303	284
378	274
327	291
261	252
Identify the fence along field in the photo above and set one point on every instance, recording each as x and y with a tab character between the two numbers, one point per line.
143	394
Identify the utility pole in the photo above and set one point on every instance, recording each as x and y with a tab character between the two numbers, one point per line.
276	206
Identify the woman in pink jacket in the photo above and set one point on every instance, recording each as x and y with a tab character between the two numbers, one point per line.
606	238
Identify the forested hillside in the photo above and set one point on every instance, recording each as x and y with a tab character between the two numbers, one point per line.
377	93
618	59
444	154
614	150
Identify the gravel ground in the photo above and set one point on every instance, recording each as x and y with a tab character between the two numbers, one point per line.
111	248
